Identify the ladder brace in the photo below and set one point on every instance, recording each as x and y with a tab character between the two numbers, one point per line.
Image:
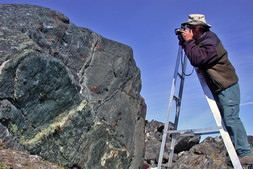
193	130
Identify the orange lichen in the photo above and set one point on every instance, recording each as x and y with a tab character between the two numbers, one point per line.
60	129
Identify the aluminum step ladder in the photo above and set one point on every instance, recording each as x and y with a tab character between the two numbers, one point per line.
191	132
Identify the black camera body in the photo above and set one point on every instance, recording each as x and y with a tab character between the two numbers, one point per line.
178	31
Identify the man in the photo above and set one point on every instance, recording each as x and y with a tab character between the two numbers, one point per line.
205	51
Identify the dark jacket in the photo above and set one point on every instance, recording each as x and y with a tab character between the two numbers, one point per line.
210	56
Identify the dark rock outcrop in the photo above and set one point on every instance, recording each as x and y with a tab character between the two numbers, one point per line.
153	141
189	153
211	153
66	93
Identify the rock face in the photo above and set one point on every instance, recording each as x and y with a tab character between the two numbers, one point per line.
66	93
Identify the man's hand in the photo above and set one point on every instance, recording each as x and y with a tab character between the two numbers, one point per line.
187	35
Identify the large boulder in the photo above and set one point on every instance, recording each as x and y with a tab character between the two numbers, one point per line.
66	93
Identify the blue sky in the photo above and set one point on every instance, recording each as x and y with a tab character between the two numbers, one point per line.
148	27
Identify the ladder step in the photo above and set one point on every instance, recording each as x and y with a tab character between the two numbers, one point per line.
181	77
176	99
198	134
172	125
193	130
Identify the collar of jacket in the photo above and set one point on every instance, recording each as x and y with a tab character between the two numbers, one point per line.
201	38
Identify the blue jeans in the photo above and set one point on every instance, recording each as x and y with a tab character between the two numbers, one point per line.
228	102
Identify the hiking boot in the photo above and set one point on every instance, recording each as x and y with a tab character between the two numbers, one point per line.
246	160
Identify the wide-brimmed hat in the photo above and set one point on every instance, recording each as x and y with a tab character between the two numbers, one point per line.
196	19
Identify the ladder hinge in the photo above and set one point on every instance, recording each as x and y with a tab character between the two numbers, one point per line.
176	98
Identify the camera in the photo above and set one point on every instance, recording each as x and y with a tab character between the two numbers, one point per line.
178	31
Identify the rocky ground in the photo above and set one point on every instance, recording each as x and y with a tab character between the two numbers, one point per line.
12	159
189	153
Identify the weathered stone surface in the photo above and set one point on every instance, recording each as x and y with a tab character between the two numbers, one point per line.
153	141
12	159
211	153
66	93
189	153
250	139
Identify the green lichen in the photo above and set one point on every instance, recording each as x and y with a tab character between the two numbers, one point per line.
214	155
59	122
3	166
22	42
14	128
17	58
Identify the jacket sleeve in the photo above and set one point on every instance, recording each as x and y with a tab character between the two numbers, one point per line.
200	56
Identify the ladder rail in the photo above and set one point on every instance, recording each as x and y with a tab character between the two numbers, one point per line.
169	107
219	121
180	91
178	108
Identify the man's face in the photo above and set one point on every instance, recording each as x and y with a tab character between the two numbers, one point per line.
195	31
192	27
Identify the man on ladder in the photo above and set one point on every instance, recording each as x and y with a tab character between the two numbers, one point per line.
205	51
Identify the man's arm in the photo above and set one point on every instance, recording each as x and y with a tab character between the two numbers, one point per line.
201	57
